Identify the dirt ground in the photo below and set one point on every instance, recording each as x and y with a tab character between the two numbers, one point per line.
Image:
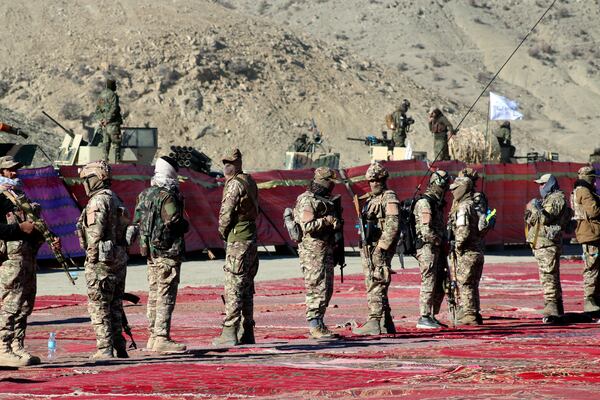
513	355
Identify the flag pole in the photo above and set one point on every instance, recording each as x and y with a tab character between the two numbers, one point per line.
487	122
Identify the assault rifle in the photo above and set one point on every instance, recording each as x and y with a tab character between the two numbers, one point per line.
373	140
451	284
339	257
361	223
21	202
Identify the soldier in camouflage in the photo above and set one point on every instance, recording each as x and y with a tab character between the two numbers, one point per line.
400	124
431	237
159	216
467	250
381	213
440	127
314	213
96	229
17	271
108	116
586	208
481	202
543	219
237	226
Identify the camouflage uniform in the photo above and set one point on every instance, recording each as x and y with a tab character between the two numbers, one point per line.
162	226
431	232
97	230
237	225
314	215
586	208
381	213
543	221
468	250
17	286
400	129
439	126
108	115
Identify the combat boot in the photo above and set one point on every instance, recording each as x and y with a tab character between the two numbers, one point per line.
166	345
228	337
371	327
318	330
551	309
150	343
10	359
590	305
19	349
469	319
479	319
247	333
427	322
103	354
387	323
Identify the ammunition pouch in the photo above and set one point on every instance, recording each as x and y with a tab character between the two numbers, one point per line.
106	251
372	232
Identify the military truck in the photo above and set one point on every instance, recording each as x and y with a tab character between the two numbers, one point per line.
138	146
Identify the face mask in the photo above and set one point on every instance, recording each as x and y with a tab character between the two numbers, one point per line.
229	170
376	187
460	192
548	187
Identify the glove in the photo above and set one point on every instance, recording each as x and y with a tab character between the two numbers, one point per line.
131	234
334	222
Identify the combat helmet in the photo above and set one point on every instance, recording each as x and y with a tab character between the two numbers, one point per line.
99	169
470	173
439	178
376	172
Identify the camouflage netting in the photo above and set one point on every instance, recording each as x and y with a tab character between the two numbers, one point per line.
471	146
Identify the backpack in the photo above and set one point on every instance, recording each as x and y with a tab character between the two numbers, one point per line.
407	242
291	225
567	221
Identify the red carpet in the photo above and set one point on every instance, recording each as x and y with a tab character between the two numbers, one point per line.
512	355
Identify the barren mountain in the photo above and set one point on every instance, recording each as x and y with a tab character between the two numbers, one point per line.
204	74
455	47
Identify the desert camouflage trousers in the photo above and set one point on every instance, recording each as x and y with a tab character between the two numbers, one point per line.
241	266
17	291
377	281
103	304
440	146
399	137
163	281
591	277
432	279
469	267
111	140
316	262
548	259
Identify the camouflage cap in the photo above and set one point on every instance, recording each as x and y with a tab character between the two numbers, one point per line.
469	173
324	174
8	162
376	172
543	179
99	169
461	181
439	178
587	171
232	156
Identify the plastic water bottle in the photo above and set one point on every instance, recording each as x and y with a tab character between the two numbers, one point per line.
51	345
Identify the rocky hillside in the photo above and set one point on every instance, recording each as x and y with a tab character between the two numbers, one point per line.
455	46
203	73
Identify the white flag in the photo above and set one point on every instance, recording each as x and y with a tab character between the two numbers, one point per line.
502	108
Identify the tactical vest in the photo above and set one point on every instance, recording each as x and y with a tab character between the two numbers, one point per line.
438	126
247	209
374	215
109	231
156	239
19	250
321	207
